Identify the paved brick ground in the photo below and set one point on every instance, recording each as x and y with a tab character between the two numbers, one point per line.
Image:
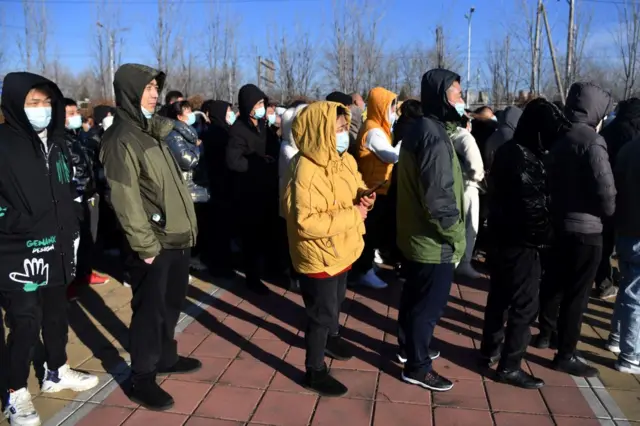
252	350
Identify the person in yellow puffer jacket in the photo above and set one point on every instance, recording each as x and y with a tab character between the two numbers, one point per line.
376	158
325	210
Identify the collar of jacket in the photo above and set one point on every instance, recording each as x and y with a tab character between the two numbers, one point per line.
186	131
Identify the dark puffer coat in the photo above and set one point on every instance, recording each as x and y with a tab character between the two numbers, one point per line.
182	142
624	128
582	184
518	192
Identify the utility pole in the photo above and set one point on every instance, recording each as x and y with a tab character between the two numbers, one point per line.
439	47
468	17
570	45
552	52
535	60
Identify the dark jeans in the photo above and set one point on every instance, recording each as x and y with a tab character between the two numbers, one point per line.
203	219
379	229
27	314
322	298
220	233
564	296
88	235
604	275
424	297
159	291
513	298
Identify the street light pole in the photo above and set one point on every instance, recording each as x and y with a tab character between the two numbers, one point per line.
469	16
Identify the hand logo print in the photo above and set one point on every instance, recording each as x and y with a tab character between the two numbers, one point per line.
36	274
3	211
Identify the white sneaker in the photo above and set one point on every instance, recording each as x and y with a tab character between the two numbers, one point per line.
67	378
613	347
196	264
126	284
377	259
467	270
20	410
627	367
371	280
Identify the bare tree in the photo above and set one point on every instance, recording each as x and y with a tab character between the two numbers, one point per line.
627	39
108	44
414	61
163	37
506	71
25	41
221	55
295	63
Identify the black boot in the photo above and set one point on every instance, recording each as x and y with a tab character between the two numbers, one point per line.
323	384
574	367
519	378
338	348
184	365
150	395
545	340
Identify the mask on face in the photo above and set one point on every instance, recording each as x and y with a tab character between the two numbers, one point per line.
107	122
75	122
231	118
271	118
392	118
460	108
191	118
259	113
39	117
342	142
146	113
494	118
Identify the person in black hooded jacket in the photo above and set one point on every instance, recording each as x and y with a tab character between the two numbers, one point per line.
215	141
38	234
249	162
624	128
520	227
582	193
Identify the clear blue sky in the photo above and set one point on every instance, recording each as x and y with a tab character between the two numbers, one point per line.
405	21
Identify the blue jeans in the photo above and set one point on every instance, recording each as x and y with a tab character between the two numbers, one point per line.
625	324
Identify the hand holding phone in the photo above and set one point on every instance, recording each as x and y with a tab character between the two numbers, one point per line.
368	192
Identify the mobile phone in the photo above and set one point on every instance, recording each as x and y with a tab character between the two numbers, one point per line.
368	192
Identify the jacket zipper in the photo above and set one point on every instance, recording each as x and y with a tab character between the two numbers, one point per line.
47	156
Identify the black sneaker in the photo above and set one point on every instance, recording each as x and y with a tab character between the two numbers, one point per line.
545	341
519	378
608	292
432	381
184	365
150	395
258	287
574	366
338	348
323	384
401	356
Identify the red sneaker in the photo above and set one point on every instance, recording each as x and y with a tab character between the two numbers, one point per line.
96	279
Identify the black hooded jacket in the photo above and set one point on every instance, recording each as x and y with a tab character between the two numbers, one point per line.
215	141
246	153
507	123
518	188
38	220
624	128
582	184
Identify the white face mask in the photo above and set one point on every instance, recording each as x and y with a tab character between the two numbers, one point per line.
39	117
75	122
107	122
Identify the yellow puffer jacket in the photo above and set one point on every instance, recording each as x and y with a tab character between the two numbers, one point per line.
323	225
374	170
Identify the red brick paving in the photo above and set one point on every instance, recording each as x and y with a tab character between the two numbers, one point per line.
253	365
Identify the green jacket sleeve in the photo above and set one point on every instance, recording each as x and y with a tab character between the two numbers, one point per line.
122	171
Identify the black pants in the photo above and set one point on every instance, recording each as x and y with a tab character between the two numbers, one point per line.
378	231
513	298
220	233
323	298
564	296
159	290
424	297
203	219
27	313
88	235
604	275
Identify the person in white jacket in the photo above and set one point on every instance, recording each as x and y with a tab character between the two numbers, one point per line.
473	172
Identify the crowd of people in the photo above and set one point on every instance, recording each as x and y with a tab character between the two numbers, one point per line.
317	194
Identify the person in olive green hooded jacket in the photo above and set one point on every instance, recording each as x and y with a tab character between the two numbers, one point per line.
155	211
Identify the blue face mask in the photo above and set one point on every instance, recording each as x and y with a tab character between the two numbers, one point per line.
39	117
271	118
191	118
342	142
460	108
75	122
146	113
231	118
259	113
